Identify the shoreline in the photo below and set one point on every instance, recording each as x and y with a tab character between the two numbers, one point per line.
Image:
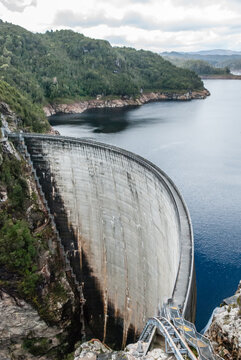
221	77
80	106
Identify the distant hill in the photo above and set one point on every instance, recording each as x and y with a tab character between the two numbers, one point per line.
67	65
216	52
218	58
200	67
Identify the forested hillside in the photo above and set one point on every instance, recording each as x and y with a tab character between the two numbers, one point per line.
65	64
200	67
30	116
220	59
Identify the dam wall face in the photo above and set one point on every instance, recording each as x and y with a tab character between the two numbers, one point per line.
124	228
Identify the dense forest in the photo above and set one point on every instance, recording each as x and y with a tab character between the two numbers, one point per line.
63	64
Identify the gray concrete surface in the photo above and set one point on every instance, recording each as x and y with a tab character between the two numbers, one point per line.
131	237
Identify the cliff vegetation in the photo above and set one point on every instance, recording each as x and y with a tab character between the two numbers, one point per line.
30	116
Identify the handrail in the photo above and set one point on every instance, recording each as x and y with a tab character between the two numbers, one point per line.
189	331
170	334
178	327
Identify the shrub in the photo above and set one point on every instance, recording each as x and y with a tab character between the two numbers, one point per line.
17	245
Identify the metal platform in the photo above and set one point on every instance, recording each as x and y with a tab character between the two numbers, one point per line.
180	336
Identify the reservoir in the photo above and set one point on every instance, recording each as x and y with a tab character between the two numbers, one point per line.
198	144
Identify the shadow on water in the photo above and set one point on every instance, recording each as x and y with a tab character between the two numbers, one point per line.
105	121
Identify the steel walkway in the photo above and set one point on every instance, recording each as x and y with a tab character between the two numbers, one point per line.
179	334
174	342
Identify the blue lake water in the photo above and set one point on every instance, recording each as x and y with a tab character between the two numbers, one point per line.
198	144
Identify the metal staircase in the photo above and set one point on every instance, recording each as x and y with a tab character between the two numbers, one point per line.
174	343
179	334
188	330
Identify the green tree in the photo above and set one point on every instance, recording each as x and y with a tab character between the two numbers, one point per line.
17	245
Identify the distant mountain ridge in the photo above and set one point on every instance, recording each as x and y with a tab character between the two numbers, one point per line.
217	52
220	58
221	52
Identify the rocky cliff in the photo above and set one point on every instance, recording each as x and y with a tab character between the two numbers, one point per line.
225	329
79	107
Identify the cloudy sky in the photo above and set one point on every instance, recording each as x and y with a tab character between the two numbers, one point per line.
157	25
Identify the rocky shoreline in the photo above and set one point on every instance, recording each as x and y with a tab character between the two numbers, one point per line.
99	102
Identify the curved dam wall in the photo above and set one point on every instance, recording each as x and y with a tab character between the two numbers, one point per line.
124	227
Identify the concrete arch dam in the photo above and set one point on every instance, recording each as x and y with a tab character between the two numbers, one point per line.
124	227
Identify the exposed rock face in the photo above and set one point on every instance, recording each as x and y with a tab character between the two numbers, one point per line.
95	350
79	107
4	108
18	320
3	195
9	119
225	330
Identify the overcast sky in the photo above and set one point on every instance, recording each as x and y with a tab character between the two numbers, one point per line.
157	25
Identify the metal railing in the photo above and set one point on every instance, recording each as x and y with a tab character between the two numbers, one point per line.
174	342
173	326
188	329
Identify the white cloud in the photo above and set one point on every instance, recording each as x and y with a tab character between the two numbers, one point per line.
18	5
150	24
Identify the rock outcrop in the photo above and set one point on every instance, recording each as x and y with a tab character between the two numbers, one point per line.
79	107
225	329
95	350
18	322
